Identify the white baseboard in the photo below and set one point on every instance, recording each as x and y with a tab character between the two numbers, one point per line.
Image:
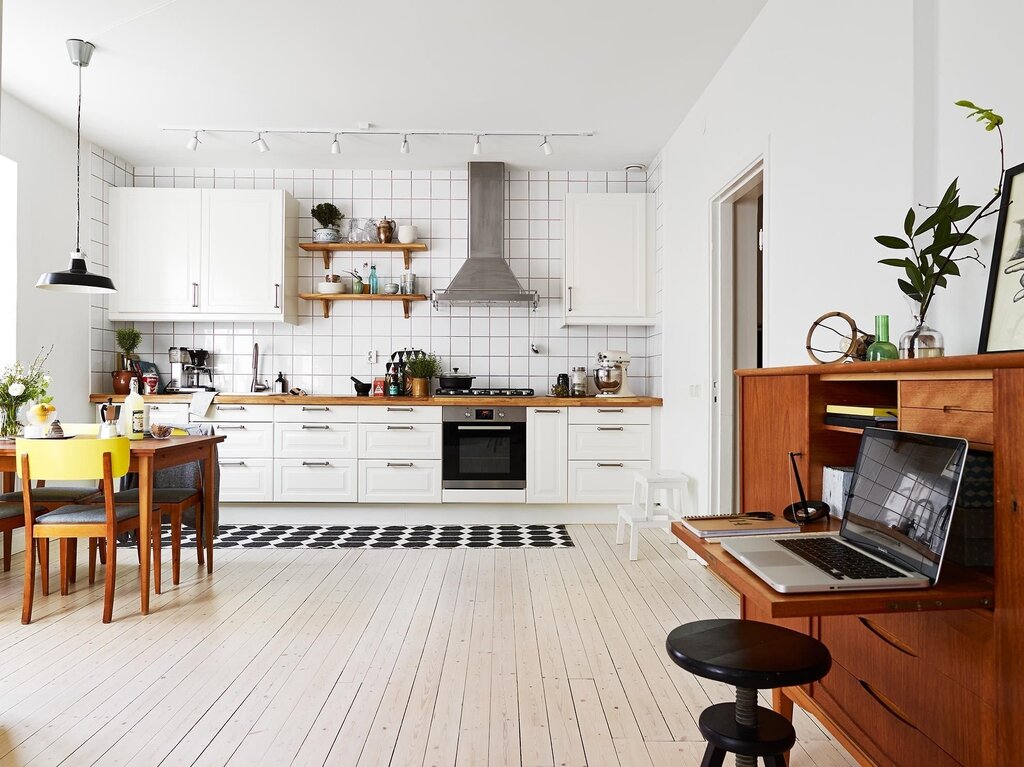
406	514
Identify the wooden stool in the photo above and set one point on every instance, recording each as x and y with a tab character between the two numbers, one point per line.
646	510
751	656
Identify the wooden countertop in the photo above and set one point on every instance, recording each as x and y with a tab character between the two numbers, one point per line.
288	399
966	362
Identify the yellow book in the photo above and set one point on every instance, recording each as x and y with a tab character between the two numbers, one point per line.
861	410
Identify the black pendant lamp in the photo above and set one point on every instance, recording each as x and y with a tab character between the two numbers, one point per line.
77	278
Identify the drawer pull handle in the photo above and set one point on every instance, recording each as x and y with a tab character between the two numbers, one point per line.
240	427
399	465
317	428
315	409
609	428
400	428
887	704
232	463
154	407
610	466
950	408
399	409
230	407
886	637
610	410
539	410
316	463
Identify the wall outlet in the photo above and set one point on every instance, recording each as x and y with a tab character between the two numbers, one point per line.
372	357
695	390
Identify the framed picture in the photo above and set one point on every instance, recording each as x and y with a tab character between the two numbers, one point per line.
1002	327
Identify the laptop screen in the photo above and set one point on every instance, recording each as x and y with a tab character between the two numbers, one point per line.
902	496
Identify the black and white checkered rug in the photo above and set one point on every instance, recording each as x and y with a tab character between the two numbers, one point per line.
383	537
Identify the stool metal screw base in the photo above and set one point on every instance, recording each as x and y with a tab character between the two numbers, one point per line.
746	716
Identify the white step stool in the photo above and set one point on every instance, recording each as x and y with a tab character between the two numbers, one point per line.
646	510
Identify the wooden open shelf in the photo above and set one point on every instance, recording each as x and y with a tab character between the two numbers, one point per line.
327	248
845	429
326	298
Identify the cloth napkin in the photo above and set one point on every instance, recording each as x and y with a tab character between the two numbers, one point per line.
201	401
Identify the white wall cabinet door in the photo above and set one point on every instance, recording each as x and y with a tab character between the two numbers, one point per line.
243	251
609	274
547	455
155	246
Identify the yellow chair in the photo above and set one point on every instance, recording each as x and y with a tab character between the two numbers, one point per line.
74	460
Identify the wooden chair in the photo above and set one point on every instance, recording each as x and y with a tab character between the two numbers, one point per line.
12	516
74	460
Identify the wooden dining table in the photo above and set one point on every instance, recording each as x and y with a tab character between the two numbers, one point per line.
147	457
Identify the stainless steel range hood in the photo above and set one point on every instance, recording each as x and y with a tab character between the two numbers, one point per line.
485	279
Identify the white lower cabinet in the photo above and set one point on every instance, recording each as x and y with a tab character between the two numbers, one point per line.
603	481
315	440
399	481
245	440
400	440
547	455
315	480
630	442
246	479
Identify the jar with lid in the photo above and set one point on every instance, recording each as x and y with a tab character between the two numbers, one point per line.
578	387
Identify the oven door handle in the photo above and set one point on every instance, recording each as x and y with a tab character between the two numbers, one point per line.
463	427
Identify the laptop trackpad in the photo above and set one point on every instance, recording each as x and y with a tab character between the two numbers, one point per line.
773	559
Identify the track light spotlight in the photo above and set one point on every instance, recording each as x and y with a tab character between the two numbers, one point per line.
335	145
194	142
405	144
477	149
546	147
260	143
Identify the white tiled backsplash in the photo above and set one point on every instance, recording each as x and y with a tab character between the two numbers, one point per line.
493	344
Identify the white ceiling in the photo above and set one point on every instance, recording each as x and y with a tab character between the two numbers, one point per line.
628	70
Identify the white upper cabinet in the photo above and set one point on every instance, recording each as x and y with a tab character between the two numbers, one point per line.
210	254
609	270
155	245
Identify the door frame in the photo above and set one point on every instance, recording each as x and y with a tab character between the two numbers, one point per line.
724	409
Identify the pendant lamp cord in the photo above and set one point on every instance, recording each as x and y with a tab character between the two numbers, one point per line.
78	169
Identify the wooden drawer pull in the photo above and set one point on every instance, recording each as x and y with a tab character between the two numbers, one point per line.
887	704
950	408
888	638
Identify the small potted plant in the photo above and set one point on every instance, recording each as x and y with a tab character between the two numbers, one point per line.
128	340
419	370
327	215
357	280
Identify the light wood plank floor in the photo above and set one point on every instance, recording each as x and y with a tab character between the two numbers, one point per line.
535	657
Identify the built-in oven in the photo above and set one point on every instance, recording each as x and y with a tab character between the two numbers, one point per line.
484	448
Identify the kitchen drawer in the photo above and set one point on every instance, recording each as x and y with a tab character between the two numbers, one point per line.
315	440
246	479
218	412
246	440
173	412
399	414
888	734
952	394
399	481
898	665
975	427
326	480
610	414
400	440
627	442
316	414
603	481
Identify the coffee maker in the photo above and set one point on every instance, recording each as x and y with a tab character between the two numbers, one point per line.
190	370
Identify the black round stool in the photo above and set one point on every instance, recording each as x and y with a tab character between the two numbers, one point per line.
751	656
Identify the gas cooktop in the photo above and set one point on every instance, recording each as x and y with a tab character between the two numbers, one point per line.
484	393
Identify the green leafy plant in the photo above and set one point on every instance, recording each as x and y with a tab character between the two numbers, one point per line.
326	214
935	243
427	366
128	340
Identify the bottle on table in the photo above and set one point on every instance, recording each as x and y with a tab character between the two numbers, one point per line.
373	279
132	423
882	348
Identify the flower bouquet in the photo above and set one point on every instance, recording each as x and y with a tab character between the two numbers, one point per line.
19	386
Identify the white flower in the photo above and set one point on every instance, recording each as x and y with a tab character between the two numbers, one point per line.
16	389
46	380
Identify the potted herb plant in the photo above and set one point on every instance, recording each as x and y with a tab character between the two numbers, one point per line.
420	370
937	245
19	386
128	340
327	215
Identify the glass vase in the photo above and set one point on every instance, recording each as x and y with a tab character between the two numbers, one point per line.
9	425
922	341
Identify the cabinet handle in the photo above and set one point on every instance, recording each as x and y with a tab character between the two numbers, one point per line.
887	638
277	295
1013	505
610	428
400	428
321	428
321	409
232	463
399	465
195	295
610	410
570	298
950	408
232	428
887	704
538	410
316	463
230	407
610	466
399	410
154	407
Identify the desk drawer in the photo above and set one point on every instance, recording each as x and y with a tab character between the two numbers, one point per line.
970	395
975	427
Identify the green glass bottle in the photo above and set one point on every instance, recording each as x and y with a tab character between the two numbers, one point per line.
882	349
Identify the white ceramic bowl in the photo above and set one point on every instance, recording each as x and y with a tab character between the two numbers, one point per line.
330	287
407	234
391	289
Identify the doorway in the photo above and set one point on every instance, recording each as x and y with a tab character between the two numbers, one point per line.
737	319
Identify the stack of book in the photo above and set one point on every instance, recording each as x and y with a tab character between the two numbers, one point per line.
860	416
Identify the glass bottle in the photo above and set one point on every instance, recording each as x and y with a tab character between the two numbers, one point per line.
882	349
373	279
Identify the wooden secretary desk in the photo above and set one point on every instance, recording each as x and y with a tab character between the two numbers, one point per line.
920	677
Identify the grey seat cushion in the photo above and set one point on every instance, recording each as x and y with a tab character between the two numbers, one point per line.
47	494
10	510
86	515
160	495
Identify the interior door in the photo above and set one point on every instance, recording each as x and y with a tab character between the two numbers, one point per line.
243	251
155	244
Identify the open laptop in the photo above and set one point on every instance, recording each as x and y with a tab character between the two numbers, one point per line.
894	530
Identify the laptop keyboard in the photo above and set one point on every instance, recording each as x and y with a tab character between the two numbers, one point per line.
838	559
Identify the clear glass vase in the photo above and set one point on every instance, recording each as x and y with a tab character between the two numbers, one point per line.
10	427
922	341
